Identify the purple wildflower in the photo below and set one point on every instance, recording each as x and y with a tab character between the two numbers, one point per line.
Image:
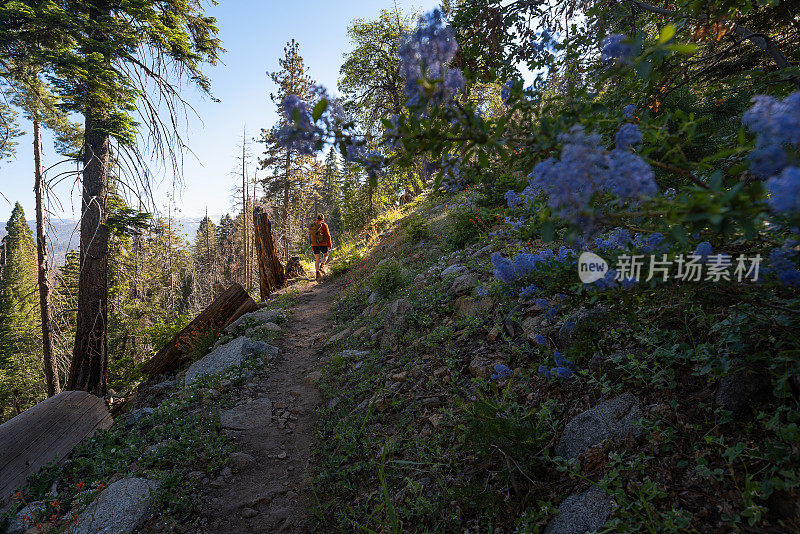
501	372
784	191
614	48
628	135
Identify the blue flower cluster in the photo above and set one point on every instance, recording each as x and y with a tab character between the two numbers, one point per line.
526	263
586	168
614	48
561	370
776	124
781	263
423	62
704	250
609	281
628	111
299	133
501	372
784	191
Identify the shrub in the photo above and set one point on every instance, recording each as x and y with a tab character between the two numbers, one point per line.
388	278
417	228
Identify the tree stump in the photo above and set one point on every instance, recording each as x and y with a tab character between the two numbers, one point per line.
271	273
293	268
225	309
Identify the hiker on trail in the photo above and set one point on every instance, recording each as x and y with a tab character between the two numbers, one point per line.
320	238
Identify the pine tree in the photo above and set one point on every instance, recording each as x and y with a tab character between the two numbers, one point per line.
288	169
21	382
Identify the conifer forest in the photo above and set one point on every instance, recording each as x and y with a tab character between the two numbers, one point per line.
502	266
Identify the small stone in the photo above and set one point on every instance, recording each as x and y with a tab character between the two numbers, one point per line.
493	334
337	337
441	371
615	417
281	455
481	367
240	460
217	483
452	270
225	384
400	377
578	514
463	284
247	513
226	472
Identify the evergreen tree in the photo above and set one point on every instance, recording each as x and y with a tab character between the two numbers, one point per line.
122	49
21	382
288	170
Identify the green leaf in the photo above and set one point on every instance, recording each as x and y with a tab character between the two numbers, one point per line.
685	48
319	109
667	33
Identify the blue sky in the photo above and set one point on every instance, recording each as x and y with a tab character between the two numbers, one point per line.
254	34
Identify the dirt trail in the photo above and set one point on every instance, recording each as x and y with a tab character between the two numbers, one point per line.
271	494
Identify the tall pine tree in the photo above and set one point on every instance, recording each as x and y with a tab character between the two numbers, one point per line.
287	169
20	367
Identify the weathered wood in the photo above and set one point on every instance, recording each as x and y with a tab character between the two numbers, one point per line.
293	268
46	432
271	273
225	309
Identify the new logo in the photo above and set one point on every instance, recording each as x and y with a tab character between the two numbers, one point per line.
591	267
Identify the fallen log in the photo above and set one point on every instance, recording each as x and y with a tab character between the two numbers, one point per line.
46	432
225	309
271	273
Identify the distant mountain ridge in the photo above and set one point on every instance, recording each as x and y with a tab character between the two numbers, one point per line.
64	234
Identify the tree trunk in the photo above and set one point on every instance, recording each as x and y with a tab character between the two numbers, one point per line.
271	273
50	367
90	355
286	207
225	309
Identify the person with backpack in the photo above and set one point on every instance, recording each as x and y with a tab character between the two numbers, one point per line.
320	238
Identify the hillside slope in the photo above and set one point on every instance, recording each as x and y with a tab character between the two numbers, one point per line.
458	402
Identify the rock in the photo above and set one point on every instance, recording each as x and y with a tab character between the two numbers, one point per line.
352	353
481	367
616	417
396	315
578	321
267	327
226	472
248	416
493	334
464	306
240	460
163	386
228	355
337	337
137	415
313	377
400	377
247	513
453	269
582	513
32	511
531	327
485	250
259	316
441	371
463	284
120	508
512	328
741	387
